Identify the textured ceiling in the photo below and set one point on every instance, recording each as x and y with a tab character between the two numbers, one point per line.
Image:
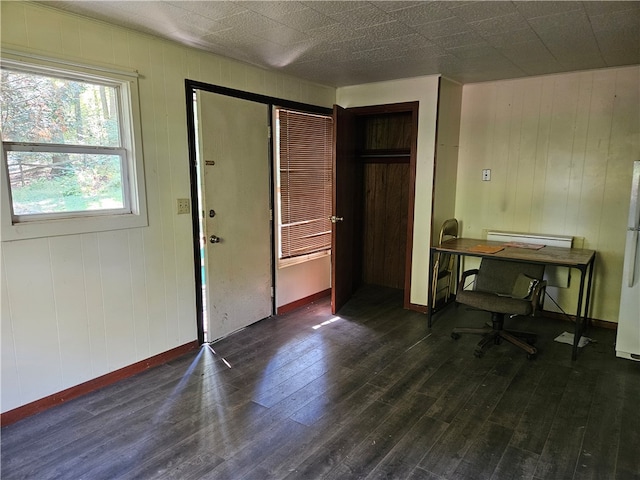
352	42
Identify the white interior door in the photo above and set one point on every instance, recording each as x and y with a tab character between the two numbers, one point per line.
234	152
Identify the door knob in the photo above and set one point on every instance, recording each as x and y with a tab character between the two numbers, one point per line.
335	219
214	239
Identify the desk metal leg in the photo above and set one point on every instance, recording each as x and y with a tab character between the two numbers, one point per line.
582	318
429	287
578	328
588	299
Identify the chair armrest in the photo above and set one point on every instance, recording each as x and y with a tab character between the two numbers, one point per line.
466	274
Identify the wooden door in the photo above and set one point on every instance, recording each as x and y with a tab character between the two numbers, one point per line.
344	211
234	150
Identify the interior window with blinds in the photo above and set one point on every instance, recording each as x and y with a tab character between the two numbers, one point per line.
304	144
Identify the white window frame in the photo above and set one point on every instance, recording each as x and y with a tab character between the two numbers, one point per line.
134	211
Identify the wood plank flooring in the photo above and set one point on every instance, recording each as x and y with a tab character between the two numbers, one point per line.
371	393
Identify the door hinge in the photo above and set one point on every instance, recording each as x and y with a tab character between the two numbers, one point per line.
273	292
271	214
269	132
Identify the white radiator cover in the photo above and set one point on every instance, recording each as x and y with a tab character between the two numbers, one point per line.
555	276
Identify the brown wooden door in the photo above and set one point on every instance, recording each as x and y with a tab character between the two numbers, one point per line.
344	199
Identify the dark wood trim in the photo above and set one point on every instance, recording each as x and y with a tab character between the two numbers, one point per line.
385	159
384	108
433	181
572	319
255	97
411	206
19	413
545	313
303	301
195	208
416	307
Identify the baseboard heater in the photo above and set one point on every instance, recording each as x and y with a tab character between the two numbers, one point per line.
555	276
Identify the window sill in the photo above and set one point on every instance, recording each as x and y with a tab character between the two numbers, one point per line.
289	262
71	226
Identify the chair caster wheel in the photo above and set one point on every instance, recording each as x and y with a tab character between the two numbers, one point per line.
497	340
531	356
478	353
455	336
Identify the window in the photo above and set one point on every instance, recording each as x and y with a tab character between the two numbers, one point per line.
71	161
304	174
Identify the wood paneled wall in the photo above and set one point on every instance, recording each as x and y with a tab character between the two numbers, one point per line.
560	149
389	131
385	223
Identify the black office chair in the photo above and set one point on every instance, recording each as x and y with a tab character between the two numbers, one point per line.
502	288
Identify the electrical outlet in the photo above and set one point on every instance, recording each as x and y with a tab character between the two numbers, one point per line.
184	206
486	175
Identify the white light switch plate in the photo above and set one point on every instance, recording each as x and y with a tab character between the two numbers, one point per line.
486	175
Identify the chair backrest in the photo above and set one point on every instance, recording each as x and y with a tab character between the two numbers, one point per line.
499	276
449	229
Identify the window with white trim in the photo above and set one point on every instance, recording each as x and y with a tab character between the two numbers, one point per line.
304	178
70	150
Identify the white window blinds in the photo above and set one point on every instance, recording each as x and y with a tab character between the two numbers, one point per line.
305	144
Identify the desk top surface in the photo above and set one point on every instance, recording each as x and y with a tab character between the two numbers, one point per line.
572	257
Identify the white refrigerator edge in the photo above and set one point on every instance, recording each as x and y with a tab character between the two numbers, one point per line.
628	336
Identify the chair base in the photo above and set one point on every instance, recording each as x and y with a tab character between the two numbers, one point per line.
494	333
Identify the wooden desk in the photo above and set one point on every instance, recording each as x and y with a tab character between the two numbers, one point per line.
580	259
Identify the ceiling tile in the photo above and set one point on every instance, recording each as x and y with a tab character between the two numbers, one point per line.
443	28
482	10
248	21
307	19
615	58
281	35
545	68
533	52
392	6
512	37
506	23
615	20
412	41
200	23
363	17
533	9
334	7
624	39
473	51
213	10
563	45
575	62
572	19
424	12
459	40
273	9
598	8
334	33
385	31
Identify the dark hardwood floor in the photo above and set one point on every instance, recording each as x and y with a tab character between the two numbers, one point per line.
371	393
